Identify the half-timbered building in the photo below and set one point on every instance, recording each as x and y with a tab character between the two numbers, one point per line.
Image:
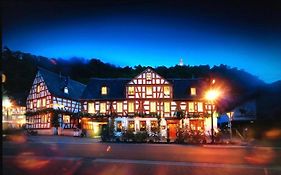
147	101
52	102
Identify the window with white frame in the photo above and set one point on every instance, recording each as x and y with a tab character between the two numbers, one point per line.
190	106
167	107
142	125
102	107
131	90
38	103
149	90
43	102
152	106
119	107
131	107
131	125
166	90
91	108
200	107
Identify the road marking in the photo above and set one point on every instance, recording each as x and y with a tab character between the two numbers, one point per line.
147	162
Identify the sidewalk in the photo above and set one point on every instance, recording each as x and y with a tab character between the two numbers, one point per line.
62	139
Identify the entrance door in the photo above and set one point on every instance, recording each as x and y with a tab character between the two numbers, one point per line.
172	131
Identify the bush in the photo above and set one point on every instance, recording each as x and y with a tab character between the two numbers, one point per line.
141	137
181	136
195	137
154	137
128	136
105	136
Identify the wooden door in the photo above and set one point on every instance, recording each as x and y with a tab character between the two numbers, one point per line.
172	131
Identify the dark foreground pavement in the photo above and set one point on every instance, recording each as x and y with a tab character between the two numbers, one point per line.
50	155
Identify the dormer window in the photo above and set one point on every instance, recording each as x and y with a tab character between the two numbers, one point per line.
65	90
104	90
192	91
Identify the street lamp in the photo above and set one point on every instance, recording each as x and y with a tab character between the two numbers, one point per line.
230	115
211	96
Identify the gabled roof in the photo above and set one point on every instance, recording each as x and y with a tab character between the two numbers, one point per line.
56	83
116	88
181	88
147	70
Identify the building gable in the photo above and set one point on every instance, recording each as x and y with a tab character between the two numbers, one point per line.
39	95
149	85
149	77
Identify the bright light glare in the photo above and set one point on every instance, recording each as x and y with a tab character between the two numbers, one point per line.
7	103
212	94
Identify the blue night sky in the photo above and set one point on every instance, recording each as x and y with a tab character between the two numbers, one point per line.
124	33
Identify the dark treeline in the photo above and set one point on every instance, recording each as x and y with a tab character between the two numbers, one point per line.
20	69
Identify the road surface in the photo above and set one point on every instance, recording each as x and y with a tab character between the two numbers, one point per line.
80	157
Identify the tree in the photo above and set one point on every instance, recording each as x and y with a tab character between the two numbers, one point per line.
55	121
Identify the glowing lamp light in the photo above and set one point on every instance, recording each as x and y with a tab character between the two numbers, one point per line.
7	103
212	95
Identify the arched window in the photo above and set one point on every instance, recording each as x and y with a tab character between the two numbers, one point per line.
65	90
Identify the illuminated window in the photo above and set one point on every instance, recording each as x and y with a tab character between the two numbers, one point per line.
91	108
46	118
38	88
38	103
97	107
131	125
167	107
149	90
153	126
193	91
119	107
31	104
44	102
102	107
66	118
148	76
104	90
166	90
65	90
152	106
131	107
131	90
119	126
142	125
190	106
200	106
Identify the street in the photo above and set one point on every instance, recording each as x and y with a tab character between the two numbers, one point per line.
47	155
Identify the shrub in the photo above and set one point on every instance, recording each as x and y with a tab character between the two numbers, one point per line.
128	136
141	137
